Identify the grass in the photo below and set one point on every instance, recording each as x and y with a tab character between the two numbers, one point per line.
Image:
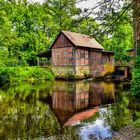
15	74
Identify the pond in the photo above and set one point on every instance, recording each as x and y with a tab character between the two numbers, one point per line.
63	110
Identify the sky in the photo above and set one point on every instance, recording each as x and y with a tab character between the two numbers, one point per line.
88	4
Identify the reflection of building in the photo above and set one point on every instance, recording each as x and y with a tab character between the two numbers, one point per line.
81	96
101	93
69	97
62	105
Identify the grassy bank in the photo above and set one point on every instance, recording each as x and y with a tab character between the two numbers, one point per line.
15	74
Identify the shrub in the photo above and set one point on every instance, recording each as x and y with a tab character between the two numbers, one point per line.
13	74
135	88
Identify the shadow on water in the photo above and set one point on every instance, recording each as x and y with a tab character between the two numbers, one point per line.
63	110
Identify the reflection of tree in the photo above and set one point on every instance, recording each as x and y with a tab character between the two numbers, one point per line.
101	93
23	90
23	116
26	113
69	133
118	114
24	120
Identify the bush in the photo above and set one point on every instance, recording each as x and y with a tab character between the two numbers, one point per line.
137	119
13	74
11	62
4	75
135	87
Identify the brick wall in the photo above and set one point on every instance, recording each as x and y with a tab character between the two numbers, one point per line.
95	59
63	56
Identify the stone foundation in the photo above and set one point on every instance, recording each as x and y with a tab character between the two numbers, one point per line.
64	72
79	72
82	71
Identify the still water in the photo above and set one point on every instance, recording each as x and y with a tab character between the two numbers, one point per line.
63	110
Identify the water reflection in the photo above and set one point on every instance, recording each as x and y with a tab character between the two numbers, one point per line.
76	97
97	129
62	110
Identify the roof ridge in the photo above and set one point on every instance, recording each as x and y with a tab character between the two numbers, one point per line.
77	33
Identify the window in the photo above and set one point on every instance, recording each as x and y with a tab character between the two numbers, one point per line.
71	54
82	54
86	55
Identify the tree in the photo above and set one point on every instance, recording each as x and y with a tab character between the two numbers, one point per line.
116	25
62	13
22	31
136	17
135	88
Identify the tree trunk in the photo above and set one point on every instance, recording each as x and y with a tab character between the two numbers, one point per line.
137	26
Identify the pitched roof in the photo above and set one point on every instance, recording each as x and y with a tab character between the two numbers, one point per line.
81	116
82	40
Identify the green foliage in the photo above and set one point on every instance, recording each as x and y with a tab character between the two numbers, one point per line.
22	32
116	26
121	36
120	115
137	121
13	74
5	75
33	117
135	88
